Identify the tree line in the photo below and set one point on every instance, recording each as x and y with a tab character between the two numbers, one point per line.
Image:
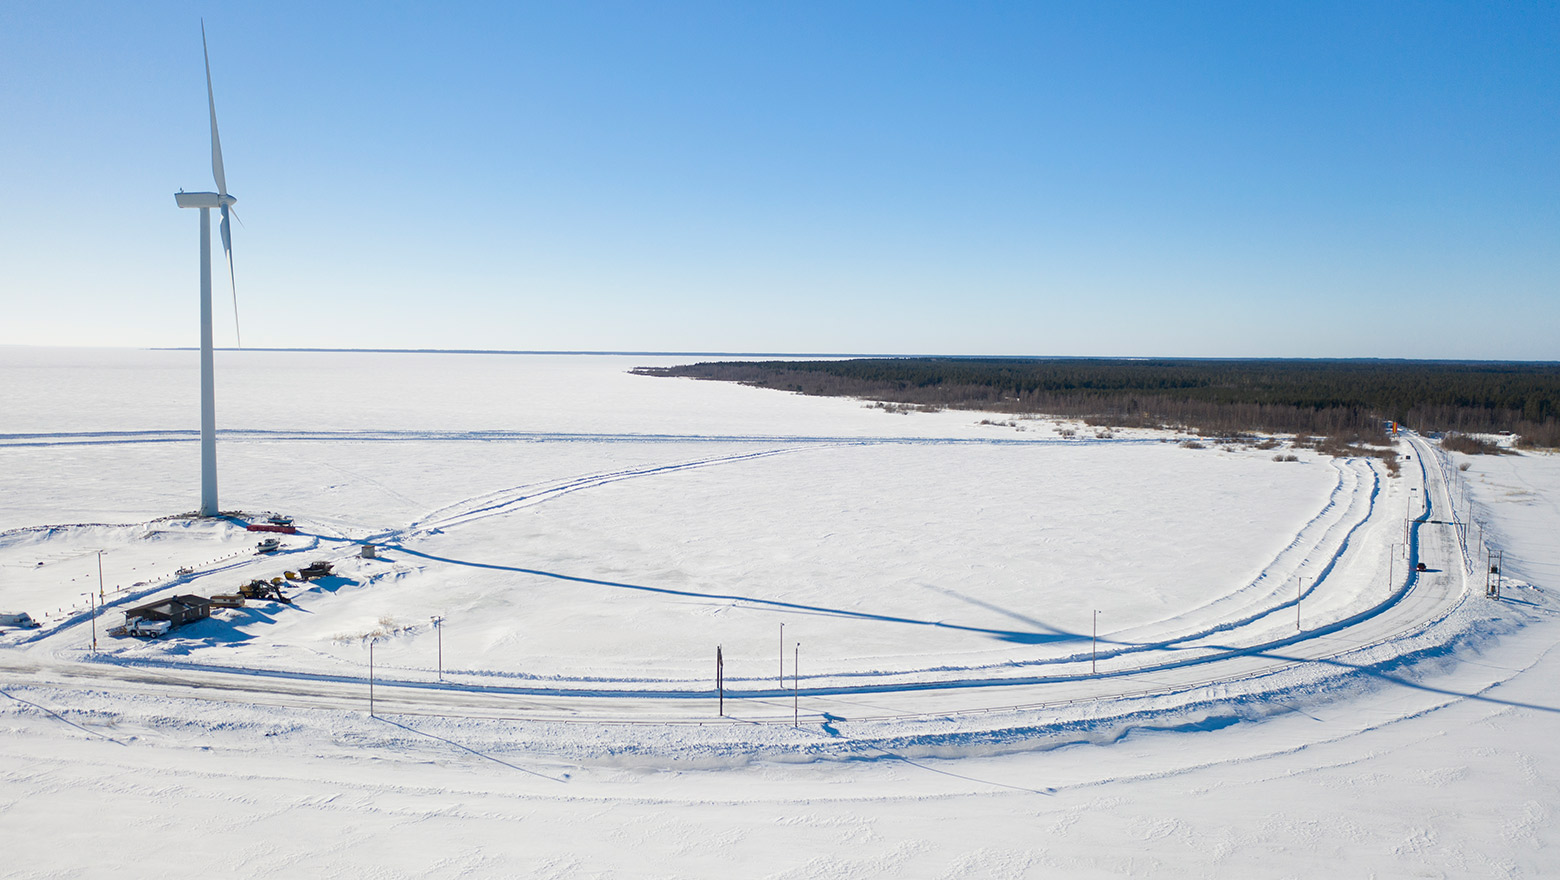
1315	397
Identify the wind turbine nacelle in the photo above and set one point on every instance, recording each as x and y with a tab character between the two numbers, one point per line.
203	200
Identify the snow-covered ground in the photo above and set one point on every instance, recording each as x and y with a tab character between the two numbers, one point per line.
589	537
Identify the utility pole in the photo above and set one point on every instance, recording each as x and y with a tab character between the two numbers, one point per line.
371	677
782	655
796	686
720	680
93	615
100	575
440	632
1299	590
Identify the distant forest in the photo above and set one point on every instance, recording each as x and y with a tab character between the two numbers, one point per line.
1333	398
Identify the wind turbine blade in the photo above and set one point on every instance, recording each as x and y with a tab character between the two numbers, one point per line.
211	101
227	247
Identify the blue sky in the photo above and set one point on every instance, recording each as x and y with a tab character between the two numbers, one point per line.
1136	179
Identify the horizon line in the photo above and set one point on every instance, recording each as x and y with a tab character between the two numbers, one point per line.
803	354
794	354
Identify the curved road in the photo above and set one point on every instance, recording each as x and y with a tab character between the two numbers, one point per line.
1225	661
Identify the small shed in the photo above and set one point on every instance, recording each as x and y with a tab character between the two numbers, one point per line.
177	610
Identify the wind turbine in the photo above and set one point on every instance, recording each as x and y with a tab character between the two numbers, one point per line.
205	201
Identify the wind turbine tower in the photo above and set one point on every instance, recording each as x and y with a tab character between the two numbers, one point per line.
205	201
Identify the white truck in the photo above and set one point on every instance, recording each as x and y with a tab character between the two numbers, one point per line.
148	629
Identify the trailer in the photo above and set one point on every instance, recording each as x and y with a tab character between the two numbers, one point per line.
267	527
21	619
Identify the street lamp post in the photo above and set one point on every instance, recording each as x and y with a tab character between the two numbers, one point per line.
439	631
1500	562
1299	591
796	686
92	614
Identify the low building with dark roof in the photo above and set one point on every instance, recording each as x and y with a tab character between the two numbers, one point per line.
177	610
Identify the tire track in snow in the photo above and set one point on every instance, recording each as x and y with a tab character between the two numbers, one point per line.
1342	499
509	500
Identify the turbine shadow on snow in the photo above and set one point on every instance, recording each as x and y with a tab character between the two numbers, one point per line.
998	609
1023	638
1384	673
